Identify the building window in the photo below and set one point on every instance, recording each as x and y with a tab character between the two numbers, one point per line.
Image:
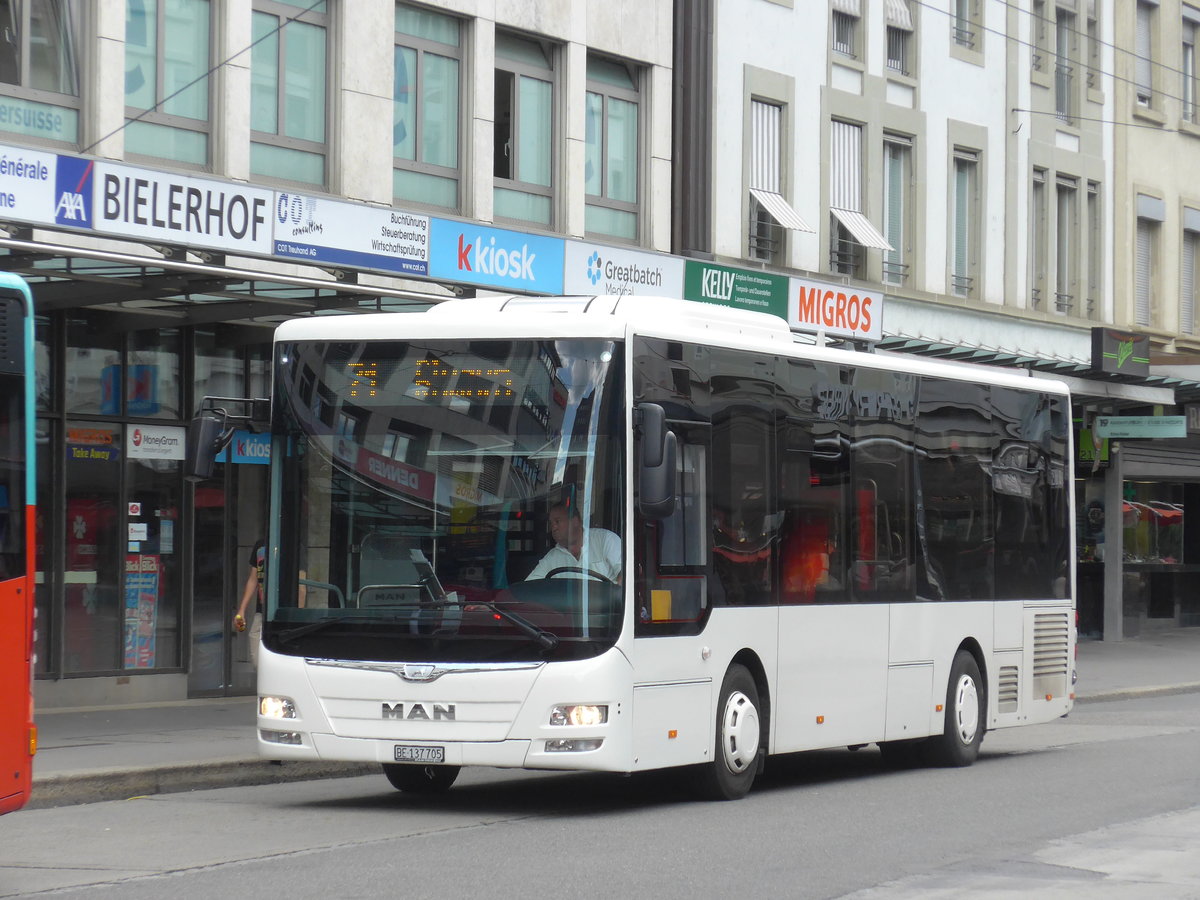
524	130
612	149
845	27
964	28
1037	240
771	216
1095	225
1093	44
898	16
1143	55
39	68
1064	66
964	259
1066	259
897	208
1188	68
167	57
288	80
1187	277
1143	292
850	232
1038	24
426	107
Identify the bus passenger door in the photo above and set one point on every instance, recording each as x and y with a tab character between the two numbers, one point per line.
832	670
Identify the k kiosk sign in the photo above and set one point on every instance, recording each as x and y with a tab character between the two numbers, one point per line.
495	258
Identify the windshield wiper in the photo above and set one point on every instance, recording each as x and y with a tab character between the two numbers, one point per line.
547	640
299	631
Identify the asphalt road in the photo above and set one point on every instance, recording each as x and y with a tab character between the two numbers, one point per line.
1103	804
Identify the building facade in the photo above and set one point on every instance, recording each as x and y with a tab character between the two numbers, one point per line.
178	176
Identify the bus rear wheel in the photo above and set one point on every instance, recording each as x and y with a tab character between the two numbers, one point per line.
966	707
739	739
420	779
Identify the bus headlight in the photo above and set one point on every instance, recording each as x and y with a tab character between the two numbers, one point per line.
580	714
276	708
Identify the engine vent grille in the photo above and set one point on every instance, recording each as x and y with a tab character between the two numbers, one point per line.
1007	689
1051	653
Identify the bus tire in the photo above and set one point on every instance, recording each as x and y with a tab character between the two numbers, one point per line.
966	708
739	739
420	779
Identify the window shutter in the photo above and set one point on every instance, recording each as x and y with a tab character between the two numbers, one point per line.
1143	74
1145	241
1187	284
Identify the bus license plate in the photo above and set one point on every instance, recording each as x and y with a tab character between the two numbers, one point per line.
406	753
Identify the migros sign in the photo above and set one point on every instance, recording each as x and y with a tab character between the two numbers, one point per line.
835	310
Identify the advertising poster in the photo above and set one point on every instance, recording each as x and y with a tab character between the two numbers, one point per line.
317	229
141	610
738	288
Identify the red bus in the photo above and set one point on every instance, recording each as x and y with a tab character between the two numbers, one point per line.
18	734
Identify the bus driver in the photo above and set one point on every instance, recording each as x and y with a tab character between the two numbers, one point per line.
569	533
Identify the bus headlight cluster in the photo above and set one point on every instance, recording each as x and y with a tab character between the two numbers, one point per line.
573	746
580	714
276	708
281	737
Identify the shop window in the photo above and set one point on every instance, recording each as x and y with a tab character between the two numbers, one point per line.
152	382
93	369
93	577
426	107
166	89
39	68
43	349
153	570
219	369
1152	522
288	84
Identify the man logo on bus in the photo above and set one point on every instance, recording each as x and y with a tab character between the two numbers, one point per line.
431	713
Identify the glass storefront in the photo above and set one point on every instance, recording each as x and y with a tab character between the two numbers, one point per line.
1159	557
137	574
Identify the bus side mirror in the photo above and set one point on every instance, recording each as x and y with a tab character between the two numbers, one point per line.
656	462
207	436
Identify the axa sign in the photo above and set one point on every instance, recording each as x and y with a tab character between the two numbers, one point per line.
510	260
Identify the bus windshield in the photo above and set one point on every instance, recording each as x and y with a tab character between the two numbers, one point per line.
452	501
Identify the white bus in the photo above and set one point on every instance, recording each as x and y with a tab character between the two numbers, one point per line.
625	534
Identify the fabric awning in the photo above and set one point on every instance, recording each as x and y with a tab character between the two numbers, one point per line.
780	210
862	229
898	14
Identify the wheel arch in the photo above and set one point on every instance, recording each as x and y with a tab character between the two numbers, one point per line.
754	665
972	646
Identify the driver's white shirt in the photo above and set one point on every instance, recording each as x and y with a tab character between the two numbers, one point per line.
602	554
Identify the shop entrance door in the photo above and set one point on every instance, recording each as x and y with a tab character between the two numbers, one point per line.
229	519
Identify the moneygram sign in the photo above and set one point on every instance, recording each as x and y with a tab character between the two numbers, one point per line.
597	269
495	258
155	441
835	309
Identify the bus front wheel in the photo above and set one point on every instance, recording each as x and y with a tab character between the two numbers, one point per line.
420	779
739	739
966	708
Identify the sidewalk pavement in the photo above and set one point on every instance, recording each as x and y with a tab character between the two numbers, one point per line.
111	753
